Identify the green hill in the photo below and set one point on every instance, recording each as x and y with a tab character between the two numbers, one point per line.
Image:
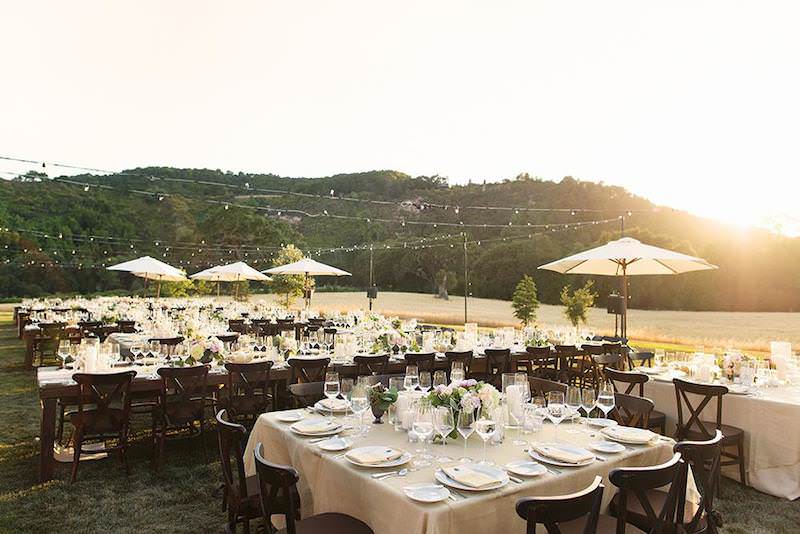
60	235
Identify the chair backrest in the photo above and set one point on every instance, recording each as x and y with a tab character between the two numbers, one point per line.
642	358
694	423
277	483
593	350
550	511
230	437
423	360
186	386
630	410
498	362
371	365
636	481
248	383
127	327
308	370
464	356
109	397
167	344
237	325
631	379
704	459
541	386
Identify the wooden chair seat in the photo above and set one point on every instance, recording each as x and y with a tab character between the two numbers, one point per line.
330	523
106	422
730	434
636	512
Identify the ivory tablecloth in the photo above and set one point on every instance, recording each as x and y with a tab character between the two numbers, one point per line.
771	425
329	484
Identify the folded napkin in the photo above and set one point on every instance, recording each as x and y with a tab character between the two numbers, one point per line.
627	433
315	426
470	477
372	456
563	455
333	404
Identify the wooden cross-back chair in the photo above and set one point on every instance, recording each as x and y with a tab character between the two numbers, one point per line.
704	459
633	383
423	360
103	413
464	356
240	496
247	393
540	362
540	387
552	511
630	410
498	361
371	365
305	370
694	428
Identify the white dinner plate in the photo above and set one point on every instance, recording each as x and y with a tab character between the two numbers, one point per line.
738	389
601	422
322	409
651	370
289	417
334	430
404	459
426	492
501	475
611	447
566	446
635	436
335	444
526	468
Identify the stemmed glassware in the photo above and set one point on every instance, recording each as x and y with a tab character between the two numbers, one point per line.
439	378
465	426
486	429
457	371
423	428
587	403
411	380
605	398
331	389
425	381
444	424
556	410
359	401
63	352
346	390
573	401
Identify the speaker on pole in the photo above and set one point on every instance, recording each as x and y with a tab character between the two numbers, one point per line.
614	304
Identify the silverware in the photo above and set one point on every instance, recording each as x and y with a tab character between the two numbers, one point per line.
512	478
401	473
384	474
600	458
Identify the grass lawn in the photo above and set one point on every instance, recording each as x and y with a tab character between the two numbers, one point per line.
179	498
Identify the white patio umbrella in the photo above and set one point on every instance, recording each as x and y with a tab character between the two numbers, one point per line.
307	267
628	257
150	269
233	272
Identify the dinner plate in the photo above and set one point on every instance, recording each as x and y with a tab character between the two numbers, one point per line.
651	370
526	468
566	446
637	436
404	459
426	492
335	444
487	469
334	430
322	409
738	389
610	447
601	422
289	417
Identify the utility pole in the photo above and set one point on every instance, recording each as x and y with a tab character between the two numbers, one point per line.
466	278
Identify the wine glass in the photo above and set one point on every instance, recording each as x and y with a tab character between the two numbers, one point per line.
63	352
605	398
346	390
556	410
439	378
465	426
331	390
411	380
531	422
444	424
486	429
137	351
425	381
423	428
573	401
587	403
457	371
359	401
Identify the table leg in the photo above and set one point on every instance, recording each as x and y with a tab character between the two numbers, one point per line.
28	351
47	439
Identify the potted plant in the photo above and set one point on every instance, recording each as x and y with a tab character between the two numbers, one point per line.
380	398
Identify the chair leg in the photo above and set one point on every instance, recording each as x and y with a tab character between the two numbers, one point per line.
76	456
742	471
60	423
203	441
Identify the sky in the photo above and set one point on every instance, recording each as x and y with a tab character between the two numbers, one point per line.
694	104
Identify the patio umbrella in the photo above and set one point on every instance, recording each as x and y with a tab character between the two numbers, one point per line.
150	269
628	257
307	267
233	272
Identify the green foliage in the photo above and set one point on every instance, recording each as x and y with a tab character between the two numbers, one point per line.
289	286
577	303
381	397
524	301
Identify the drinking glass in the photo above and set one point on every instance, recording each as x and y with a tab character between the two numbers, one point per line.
573	401
439	378
137	351
457	371
465	426
556	410
359	401
531	422
423	428
605	398
587	403
425	381
486	429
63	352
411	380
346	386
444	424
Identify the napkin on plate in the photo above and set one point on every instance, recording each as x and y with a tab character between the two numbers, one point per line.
470	477
315	426
630	434
563	455
374	455
333	404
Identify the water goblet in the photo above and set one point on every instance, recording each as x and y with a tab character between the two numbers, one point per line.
465	426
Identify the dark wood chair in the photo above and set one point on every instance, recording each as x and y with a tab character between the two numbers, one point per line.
569	364
278	492
307	380
127	327
240	493
423	360
498	361
550	512
540	387
228	339
166	345
45	347
103	414
237	325
694	428
458	356
633	383
630	410
639	358
181	406
247	393
541	362
371	365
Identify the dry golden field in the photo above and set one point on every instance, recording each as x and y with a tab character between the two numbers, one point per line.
744	330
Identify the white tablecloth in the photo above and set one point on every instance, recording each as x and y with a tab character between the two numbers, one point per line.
771	424
329	484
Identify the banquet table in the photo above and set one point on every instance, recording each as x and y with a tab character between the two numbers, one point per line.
771	432
329	483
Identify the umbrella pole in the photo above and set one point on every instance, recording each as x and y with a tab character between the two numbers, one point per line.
237	287
158	289
624	321
145	286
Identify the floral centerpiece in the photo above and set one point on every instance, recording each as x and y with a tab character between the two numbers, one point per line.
380	398
537	338
287	345
203	351
465	395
